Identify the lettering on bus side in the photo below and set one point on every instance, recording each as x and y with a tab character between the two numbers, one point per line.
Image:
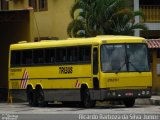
13	71
113	80
16	70
65	70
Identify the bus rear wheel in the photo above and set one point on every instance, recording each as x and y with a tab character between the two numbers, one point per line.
30	96
40	98
129	102
86	99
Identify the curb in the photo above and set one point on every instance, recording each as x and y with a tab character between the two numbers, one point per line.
155	101
140	101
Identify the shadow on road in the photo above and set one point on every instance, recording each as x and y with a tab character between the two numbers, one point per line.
59	105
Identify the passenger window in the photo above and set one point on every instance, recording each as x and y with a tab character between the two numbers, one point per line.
38	56
72	54
61	55
85	54
27	57
15	58
50	55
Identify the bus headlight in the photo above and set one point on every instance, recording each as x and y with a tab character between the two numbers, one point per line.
147	92
113	93
143	92
119	95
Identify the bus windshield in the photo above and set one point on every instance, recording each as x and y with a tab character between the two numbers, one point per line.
124	58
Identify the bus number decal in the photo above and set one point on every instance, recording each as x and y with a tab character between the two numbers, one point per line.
65	70
113	80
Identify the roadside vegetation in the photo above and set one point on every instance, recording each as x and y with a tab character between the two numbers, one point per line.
98	17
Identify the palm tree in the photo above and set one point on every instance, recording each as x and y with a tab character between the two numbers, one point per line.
97	17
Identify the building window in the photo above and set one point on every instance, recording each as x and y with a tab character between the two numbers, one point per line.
33	4
149	2
150	9
4	5
158	53
39	5
43	5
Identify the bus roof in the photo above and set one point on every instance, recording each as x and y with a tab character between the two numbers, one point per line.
104	39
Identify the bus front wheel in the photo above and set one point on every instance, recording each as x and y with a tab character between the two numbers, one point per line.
86	99
129	102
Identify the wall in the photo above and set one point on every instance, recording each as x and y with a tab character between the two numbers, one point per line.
51	23
156	78
15	26
18	4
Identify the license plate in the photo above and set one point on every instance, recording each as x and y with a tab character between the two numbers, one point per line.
129	94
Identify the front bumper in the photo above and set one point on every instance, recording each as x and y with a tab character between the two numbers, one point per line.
125	93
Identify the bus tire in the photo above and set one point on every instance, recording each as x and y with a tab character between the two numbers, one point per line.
30	96
40	98
86	99
129	102
35	103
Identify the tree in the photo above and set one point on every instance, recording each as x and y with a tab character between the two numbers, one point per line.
98	17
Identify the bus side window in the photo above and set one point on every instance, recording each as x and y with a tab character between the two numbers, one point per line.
28	61
15	58
71	54
38	56
61	55
27	57
52	60
88	54
50	55
81	53
85	54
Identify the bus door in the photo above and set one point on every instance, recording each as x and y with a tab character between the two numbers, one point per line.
95	72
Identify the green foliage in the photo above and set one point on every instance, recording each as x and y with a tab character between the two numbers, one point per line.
98	17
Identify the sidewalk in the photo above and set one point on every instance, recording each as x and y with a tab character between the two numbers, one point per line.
155	100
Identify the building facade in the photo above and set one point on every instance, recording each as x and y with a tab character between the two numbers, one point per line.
51	17
151	11
154	49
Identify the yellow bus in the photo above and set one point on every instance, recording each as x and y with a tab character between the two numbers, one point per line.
83	70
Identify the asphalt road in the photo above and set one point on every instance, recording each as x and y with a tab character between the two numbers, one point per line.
21	111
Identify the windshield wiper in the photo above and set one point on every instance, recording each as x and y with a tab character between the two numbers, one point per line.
134	67
119	69
125	63
129	62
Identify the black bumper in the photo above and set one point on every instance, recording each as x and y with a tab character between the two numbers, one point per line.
125	93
